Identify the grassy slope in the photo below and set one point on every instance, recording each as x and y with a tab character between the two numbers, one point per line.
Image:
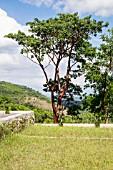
21	94
55	148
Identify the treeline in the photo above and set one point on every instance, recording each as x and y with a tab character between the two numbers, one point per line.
17	93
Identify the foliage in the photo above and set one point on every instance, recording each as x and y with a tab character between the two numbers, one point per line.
83	117
18	93
9	103
64	38
4	103
100	79
18	97
43	116
74	108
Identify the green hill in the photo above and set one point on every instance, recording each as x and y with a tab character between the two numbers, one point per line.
19	94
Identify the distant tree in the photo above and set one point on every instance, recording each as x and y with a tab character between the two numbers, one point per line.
100	78
57	40
5	103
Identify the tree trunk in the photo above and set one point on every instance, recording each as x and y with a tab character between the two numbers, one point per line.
54	108
55	119
57	107
104	107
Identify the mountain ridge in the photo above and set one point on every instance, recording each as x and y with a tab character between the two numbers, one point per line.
20	94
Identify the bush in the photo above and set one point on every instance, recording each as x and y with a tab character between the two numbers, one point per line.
86	117
43	116
82	117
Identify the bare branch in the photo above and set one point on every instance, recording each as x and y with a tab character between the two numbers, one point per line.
45	74
52	59
31	59
47	64
73	65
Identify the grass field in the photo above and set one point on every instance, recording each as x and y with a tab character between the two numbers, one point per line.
58	148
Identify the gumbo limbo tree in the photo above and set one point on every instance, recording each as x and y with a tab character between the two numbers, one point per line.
54	41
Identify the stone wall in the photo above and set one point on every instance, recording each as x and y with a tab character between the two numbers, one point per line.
16	120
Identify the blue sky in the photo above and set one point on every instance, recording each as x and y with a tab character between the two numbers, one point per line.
23	12
13	16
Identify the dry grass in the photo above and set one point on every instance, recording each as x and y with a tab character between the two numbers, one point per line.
41	104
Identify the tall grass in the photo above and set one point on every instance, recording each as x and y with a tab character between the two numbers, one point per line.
58	148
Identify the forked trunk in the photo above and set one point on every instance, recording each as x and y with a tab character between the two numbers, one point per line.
57	106
56	112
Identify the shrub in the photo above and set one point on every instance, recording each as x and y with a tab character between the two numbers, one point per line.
43	116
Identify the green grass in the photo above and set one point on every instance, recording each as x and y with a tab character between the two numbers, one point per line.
58	148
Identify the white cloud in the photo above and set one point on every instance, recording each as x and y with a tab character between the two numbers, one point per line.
13	66
39	2
98	7
9	50
102	8
7	25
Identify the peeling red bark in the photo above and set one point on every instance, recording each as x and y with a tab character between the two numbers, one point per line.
55	119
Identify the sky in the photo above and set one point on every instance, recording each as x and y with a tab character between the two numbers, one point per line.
14	14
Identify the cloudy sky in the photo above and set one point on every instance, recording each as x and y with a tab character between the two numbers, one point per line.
14	14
